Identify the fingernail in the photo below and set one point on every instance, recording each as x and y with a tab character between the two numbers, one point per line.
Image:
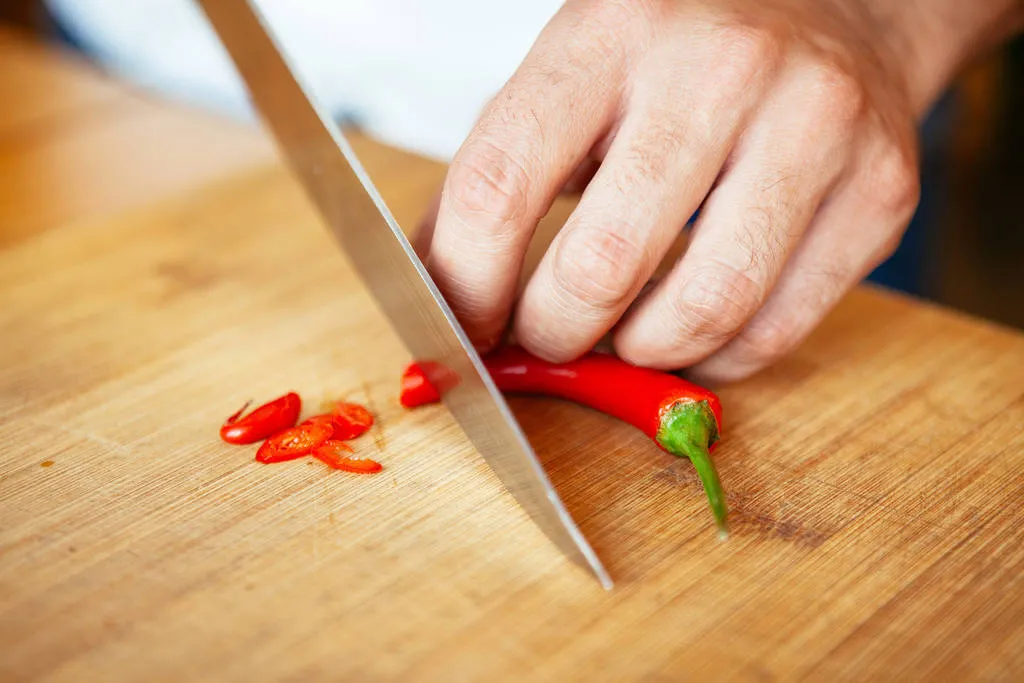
485	344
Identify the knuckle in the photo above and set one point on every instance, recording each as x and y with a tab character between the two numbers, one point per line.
599	268
744	56
716	303
889	244
611	32
766	339
840	96
489	180
896	183
745	52
613	14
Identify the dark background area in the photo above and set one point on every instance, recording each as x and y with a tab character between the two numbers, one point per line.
965	246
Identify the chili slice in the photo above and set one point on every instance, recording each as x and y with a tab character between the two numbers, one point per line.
294	442
350	420
683	418
324	418
416	388
263	422
337	455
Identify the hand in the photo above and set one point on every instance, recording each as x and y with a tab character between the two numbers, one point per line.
790	124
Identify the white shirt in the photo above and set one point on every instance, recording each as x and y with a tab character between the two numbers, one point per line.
413	74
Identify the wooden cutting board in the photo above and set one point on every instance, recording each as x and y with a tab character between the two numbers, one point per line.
158	268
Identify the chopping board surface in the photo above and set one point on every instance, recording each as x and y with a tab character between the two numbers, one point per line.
874	477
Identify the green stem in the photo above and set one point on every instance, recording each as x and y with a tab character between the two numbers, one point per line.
687	430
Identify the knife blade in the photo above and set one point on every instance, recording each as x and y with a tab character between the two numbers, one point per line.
352	208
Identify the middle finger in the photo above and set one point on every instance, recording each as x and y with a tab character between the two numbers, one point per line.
679	129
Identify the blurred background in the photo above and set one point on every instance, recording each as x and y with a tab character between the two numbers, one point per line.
964	247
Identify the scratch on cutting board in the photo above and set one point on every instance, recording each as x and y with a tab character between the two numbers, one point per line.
786	528
743	518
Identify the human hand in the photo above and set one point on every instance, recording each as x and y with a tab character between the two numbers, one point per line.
789	123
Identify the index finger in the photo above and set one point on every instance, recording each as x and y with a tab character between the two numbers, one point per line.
525	145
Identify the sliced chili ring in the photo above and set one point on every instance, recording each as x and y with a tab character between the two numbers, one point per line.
294	443
338	455
350	420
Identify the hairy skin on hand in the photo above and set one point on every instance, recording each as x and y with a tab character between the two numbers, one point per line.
790	124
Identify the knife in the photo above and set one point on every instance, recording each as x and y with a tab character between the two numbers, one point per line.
350	205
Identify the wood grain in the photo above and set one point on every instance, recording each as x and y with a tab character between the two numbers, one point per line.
875	477
75	145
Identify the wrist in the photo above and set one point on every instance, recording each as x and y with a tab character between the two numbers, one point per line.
934	39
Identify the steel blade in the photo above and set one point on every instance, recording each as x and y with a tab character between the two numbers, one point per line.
352	208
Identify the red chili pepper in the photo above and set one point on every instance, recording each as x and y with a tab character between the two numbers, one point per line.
416	388
335	454
294	443
265	421
682	418
350	420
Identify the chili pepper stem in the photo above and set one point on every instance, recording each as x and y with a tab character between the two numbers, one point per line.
687	430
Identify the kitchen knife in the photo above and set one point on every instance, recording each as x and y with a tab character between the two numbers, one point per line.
351	207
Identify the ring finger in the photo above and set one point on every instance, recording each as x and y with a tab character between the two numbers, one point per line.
786	163
867	216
